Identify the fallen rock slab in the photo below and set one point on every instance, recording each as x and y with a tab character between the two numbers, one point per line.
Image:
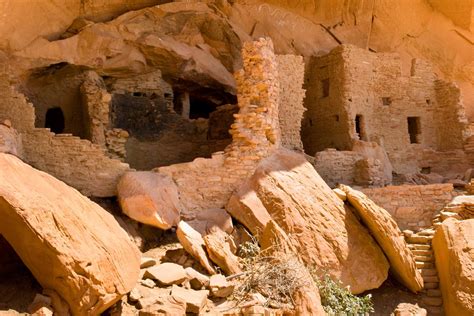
193	243
220	252
206	220
219	286
389	236
195	300
149	198
167	273
453	246
323	231
71	245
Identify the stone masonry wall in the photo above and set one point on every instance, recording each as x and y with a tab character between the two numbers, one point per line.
209	183
335	166
291	109
412	206
325	123
368	97
13	105
77	162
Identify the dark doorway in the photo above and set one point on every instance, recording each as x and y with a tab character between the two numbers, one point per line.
55	120
200	108
414	129
360	127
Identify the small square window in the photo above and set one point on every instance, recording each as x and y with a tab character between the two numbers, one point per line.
325	88
336	118
386	101
428	101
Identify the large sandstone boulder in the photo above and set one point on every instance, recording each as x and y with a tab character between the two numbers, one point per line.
453	246
71	245
389	237
325	234
150	198
10	141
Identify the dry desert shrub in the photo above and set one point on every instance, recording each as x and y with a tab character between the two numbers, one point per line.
274	274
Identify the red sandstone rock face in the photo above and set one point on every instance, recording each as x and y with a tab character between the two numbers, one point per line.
71	245
453	245
389	237
323	232
150	198
435	30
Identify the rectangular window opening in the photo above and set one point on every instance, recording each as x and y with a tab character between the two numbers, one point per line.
325	88
414	129
360	127
386	101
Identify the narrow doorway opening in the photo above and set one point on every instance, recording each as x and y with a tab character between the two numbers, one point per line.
360	127
414	129
54	120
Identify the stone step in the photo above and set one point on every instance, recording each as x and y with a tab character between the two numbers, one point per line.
445	215
416	239
433	292
419	247
418	252
431	279
426	232
431	285
424	265
433	301
424	258
428	272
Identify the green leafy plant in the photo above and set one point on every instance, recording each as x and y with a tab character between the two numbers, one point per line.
338	300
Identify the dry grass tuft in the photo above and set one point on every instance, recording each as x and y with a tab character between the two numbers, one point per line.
272	273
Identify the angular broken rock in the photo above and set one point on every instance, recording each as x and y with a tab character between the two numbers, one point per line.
149	198
71	245
388	235
219	286
205	220
193	243
195	300
196	279
325	233
220	251
160	302
453	246
167	273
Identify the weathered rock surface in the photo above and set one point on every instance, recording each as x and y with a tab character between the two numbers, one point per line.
219	249
206	220
150	198
219	286
389	236
167	273
453	245
195	300
276	242
193	243
324	233
71	245
405	309
10	141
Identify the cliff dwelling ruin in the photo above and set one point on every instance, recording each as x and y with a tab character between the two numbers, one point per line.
236	158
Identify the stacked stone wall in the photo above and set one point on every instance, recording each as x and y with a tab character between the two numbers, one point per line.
413	206
13	105
78	162
325	124
209	183
291	109
370	98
